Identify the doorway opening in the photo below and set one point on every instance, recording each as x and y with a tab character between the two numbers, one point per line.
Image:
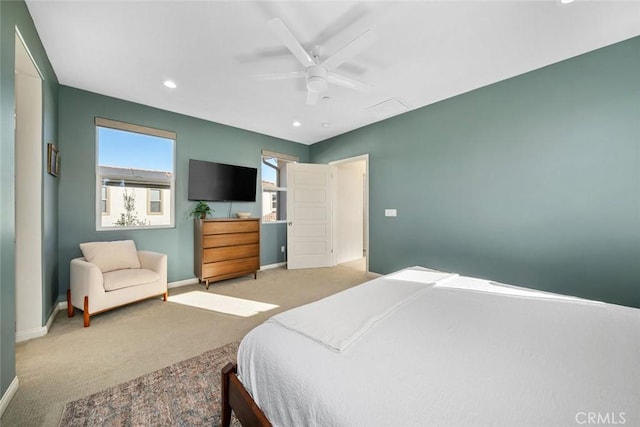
328	214
351	213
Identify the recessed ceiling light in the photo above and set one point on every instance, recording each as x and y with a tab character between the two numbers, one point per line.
170	84
296	123
326	97
326	125
566	1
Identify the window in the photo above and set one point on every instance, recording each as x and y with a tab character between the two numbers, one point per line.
134	176
154	196
274	183
104	202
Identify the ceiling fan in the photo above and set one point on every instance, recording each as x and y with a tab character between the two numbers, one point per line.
318	72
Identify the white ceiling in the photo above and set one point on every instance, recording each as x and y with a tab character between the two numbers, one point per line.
425	51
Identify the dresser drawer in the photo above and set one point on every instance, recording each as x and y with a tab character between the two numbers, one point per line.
218	240
224	227
248	265
230	252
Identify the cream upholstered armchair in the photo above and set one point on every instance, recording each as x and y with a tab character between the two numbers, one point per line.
112	274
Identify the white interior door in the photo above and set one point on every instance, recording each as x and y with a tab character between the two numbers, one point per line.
309	216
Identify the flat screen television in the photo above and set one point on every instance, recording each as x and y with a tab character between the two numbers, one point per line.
221	182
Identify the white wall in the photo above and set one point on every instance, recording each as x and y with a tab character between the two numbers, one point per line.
29	169
349	181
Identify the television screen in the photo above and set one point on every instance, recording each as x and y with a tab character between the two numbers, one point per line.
219	182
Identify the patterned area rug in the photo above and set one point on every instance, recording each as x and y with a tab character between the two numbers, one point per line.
184	394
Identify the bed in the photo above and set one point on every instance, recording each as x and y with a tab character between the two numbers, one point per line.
420	347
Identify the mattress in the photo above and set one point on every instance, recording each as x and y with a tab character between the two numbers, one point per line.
452	351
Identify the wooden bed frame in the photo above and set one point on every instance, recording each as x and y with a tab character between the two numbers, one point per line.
236	398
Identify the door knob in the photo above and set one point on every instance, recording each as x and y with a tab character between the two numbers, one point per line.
290	223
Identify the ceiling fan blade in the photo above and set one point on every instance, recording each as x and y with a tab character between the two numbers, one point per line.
350	50
312	97
281	76
341	80
289	40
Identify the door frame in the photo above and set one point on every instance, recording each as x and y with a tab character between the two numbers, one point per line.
365	158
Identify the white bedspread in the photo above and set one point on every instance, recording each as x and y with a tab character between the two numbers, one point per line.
339	320
481	285
450	356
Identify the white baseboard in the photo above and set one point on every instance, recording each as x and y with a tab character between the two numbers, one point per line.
270	266
30	334
42	330
195	280
177	284
8	395
61	306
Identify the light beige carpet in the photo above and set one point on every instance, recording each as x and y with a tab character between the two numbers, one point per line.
72	362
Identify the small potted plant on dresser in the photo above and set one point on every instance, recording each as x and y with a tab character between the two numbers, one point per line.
201	210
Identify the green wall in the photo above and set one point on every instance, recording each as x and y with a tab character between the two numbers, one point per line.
533	181
197	139
15	14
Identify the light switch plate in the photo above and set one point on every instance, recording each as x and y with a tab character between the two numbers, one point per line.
390	212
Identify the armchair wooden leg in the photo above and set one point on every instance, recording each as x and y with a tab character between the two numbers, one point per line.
164	296
87	320
70	311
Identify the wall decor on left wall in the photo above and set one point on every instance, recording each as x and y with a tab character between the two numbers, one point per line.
53	160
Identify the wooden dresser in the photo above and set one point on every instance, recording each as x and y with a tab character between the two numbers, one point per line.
226	248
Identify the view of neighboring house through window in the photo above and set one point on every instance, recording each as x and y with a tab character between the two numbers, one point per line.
135	176
274	185
104	202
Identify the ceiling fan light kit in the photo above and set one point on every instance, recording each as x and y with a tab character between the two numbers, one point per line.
317	79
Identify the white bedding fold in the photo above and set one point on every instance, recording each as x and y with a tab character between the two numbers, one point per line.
422	275
338	321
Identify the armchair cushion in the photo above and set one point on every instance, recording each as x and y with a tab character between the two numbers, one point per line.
110	256
119	279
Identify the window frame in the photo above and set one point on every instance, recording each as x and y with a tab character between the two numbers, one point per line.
100	122
279	191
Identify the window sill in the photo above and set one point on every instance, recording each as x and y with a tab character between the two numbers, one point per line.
145	227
